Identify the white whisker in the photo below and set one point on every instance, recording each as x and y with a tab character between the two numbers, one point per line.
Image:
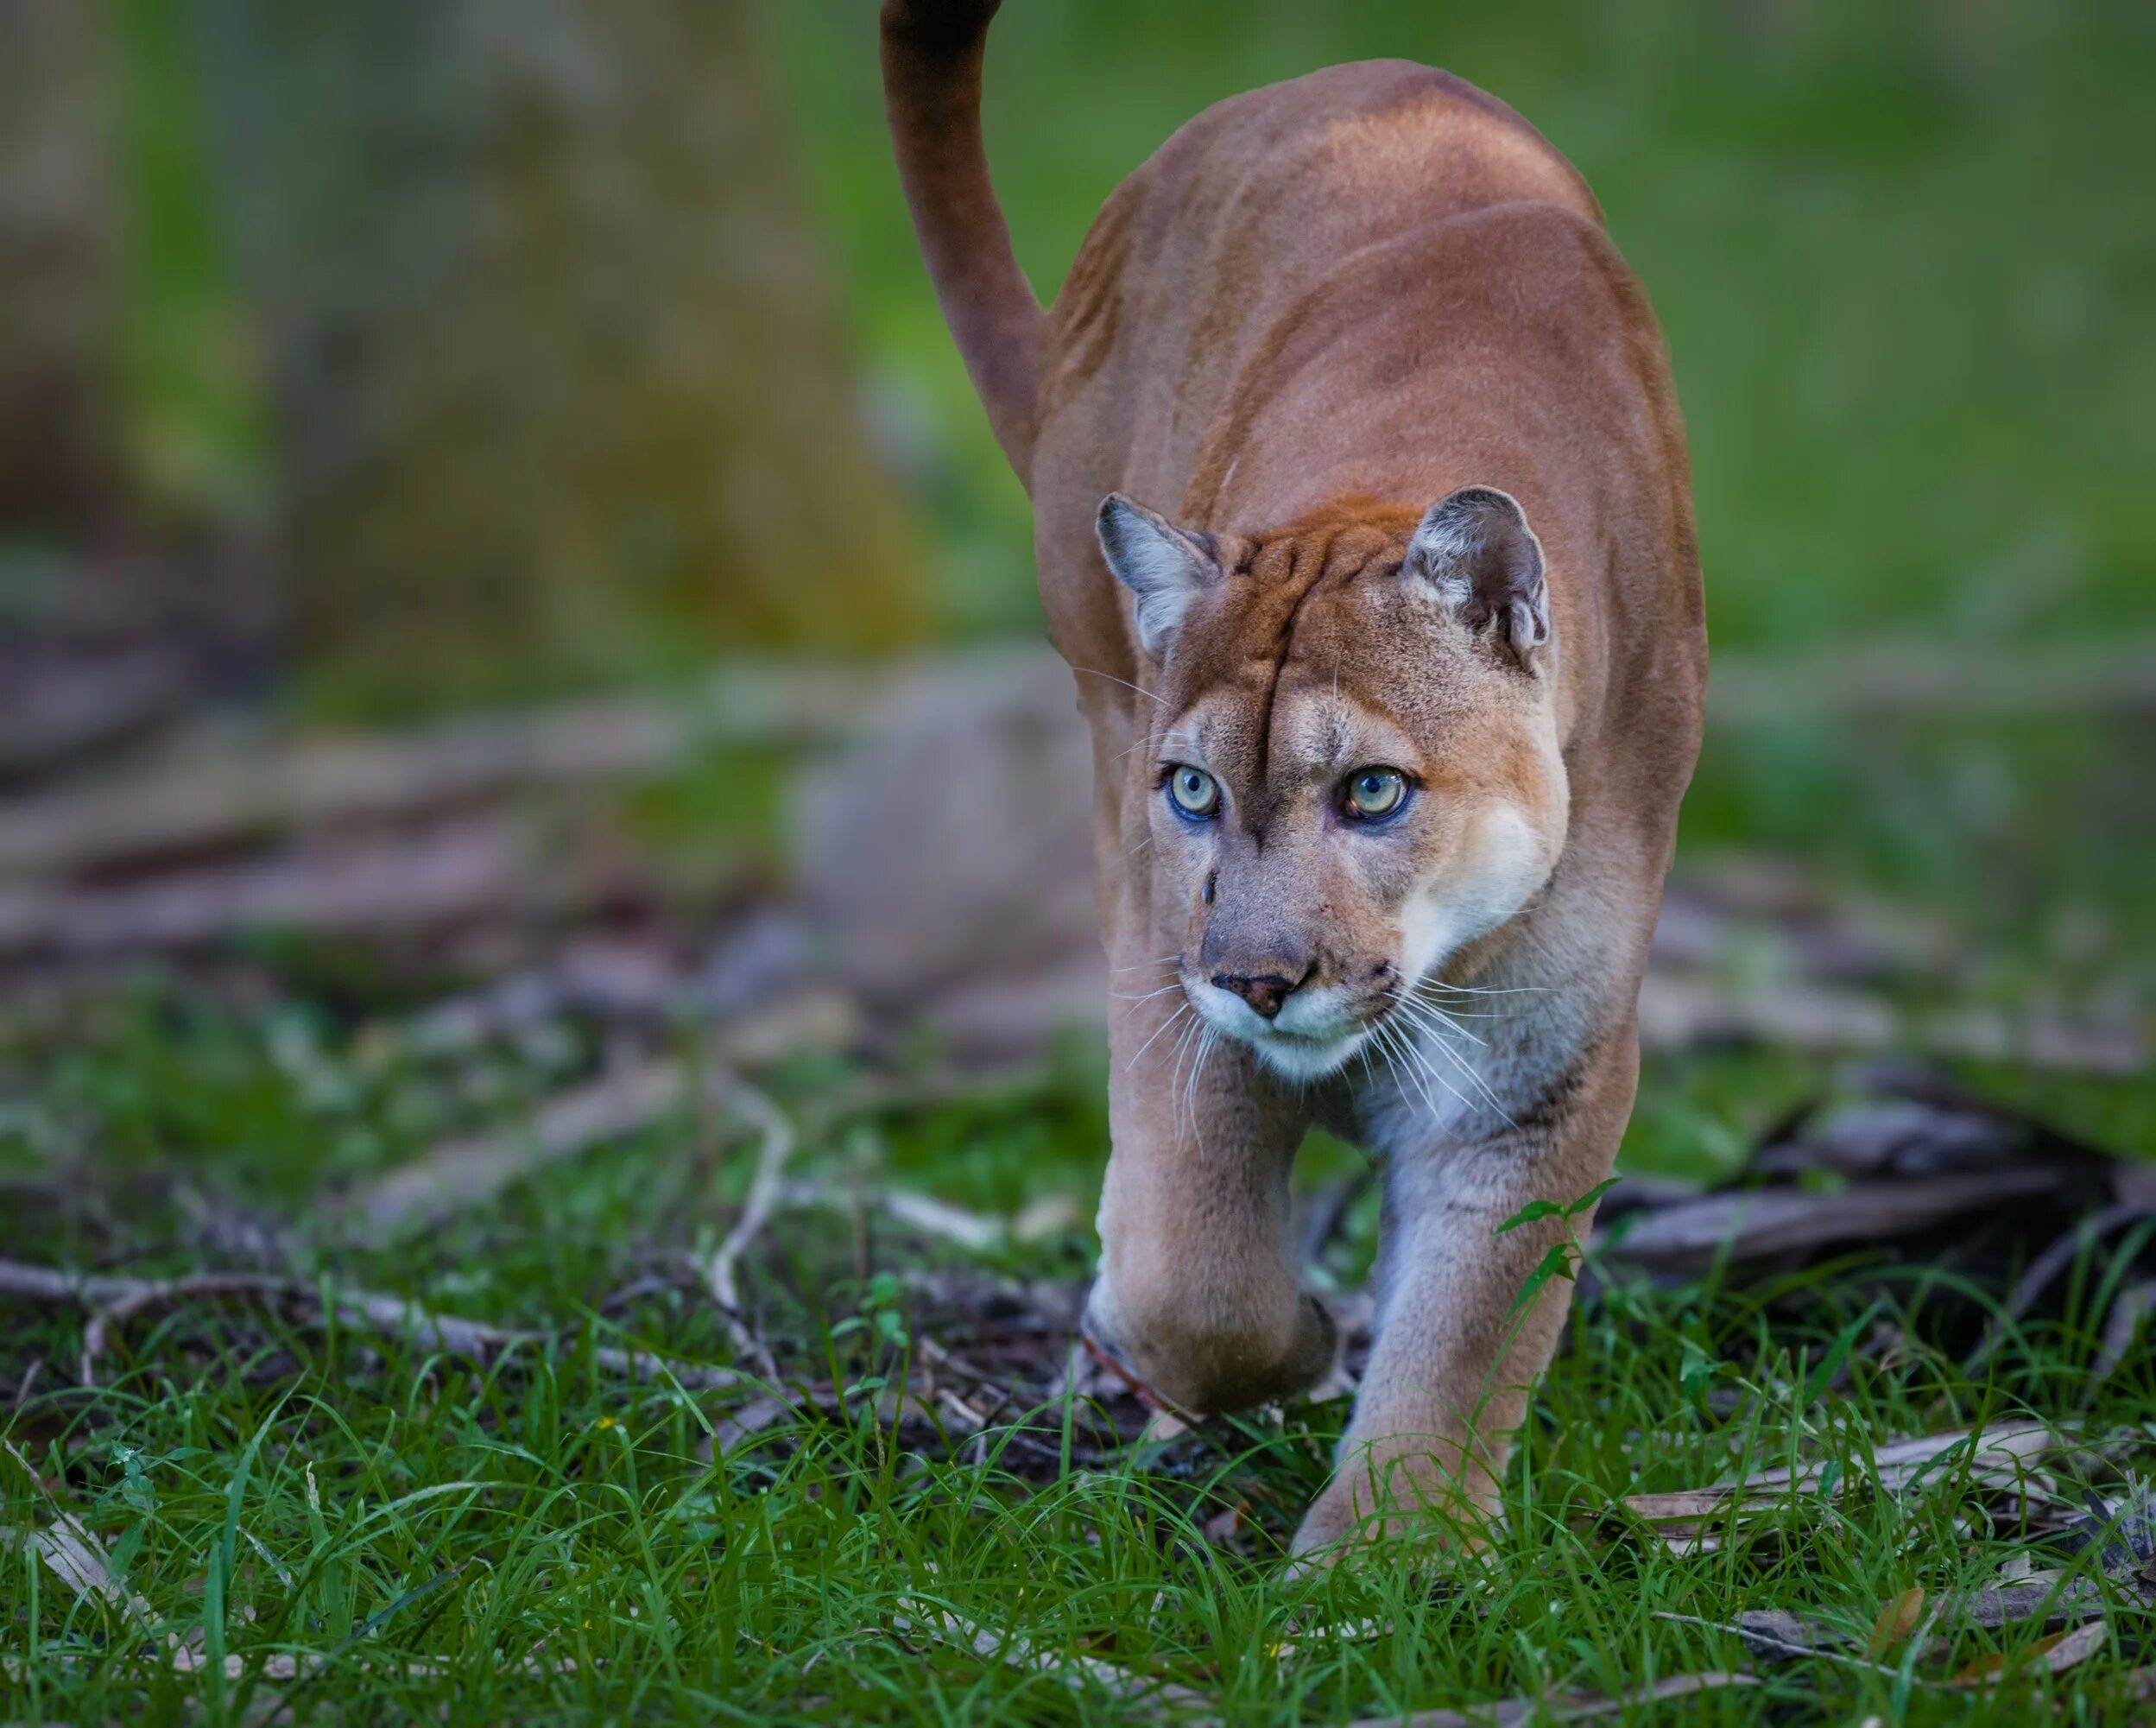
1190	1093
1416	1067
1466	1069
1421	1058
1422	1011
1182	1047
1390	1046
1157	1031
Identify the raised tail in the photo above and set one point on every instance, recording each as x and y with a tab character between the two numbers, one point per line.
931	92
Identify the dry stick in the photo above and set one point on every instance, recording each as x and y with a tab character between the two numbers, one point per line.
78	709
1517	1712
947	1628
452	874
2132	1306
1781	1644
756	1211
164	1293
922	1212
1678	1011
2037	1277
179	809
361	1310
467	1171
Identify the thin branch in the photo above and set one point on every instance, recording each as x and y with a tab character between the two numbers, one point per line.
776	1148
1012	1651
249	794
380	1315
1781	1646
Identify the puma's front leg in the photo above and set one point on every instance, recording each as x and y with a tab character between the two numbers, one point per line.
1198	1294
1454	1357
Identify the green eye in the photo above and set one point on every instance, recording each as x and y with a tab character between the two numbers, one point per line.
1375	793
1192	791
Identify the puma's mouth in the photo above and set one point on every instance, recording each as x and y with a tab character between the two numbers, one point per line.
1306	1040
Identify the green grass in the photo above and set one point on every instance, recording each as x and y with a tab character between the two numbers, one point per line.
536	1540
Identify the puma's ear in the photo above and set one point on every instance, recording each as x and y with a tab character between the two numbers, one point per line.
1164	566
1476	550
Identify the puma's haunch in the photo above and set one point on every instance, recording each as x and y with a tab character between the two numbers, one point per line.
1363	521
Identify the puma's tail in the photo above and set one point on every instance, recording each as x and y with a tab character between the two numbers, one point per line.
932	91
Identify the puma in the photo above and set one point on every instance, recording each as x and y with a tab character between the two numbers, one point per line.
1363	519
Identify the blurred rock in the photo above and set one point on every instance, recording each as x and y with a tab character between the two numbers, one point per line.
945	863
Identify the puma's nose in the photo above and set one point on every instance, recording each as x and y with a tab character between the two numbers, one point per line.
1265	992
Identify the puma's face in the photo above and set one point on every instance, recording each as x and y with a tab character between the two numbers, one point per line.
1355	767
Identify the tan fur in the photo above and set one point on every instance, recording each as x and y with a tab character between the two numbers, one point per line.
1320	308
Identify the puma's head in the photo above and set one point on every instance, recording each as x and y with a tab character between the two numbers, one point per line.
1354	756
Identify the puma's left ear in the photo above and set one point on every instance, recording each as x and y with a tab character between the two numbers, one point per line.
1476	549
1164	566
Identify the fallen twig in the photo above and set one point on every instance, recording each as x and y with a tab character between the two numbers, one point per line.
360	1310
164	1293
1997	1456
243	796
1765	1640
2129	1309
1577	1707
60	713
1679	1011
464	1171
922	1212
465	871
776	1148
2041	1272
948	1628
1686	1236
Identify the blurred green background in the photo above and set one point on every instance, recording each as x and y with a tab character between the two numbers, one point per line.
508	349
1905	259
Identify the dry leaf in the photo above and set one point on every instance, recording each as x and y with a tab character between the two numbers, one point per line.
2053	1655
1897	1620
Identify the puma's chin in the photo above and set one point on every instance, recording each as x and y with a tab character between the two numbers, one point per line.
1298	1057
1303	1056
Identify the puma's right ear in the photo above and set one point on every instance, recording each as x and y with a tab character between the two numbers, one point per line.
1164	566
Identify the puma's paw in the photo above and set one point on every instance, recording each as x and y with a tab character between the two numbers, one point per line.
1341	1522
1329	1529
